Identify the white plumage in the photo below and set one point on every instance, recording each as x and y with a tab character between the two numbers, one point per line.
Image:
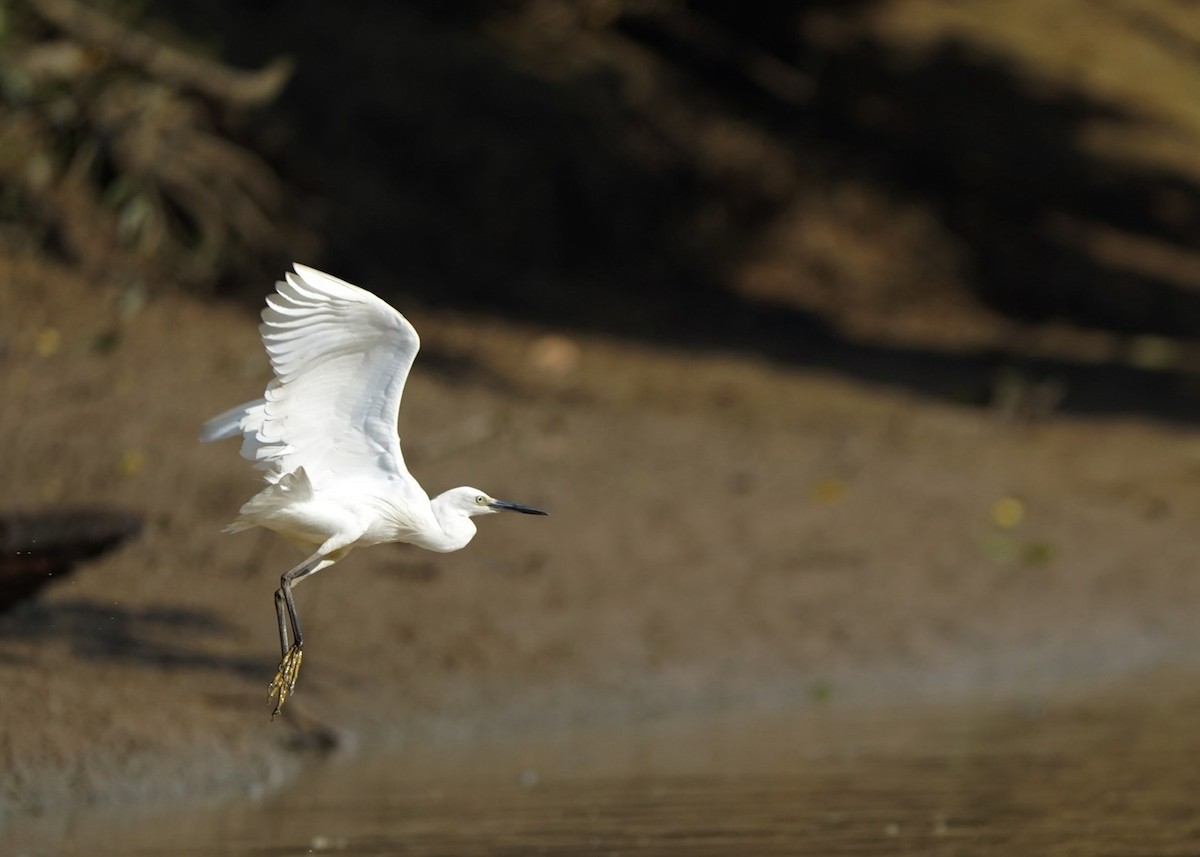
325	435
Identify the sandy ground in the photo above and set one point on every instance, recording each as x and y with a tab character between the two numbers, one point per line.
726	533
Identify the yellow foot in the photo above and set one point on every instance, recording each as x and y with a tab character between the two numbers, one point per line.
284	684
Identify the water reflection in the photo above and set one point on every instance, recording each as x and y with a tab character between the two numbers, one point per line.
1110	773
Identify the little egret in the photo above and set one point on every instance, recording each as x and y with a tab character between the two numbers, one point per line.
325	433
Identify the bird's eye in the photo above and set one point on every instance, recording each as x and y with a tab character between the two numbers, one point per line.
481	500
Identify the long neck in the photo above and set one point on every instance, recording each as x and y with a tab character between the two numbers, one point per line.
456	528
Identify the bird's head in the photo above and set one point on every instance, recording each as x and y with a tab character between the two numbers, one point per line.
471	502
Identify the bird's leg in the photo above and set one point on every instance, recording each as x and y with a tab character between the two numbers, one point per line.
281	615
286	583
284	683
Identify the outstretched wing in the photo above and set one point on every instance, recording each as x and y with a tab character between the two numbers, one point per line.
341	357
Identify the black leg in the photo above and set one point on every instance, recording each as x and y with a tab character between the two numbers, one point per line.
286	581
283	622
286	614
293	615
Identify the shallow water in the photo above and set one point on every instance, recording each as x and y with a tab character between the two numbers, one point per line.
1112	772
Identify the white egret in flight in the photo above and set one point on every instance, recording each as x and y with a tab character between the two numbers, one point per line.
325	433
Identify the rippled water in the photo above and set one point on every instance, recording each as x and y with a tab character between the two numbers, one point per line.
1115	773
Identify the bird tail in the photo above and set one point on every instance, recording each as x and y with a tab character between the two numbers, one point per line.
227	424
291	488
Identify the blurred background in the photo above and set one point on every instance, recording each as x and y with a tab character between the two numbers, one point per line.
853	346
925	180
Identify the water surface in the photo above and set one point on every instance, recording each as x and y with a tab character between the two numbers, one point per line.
1113	772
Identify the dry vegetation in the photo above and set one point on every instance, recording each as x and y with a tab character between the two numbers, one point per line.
119	149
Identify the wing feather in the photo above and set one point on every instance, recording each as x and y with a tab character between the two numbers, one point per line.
341	357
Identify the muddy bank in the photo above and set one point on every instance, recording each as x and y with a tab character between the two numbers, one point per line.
1109	770
726	533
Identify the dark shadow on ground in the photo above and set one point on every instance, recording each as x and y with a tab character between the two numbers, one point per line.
38	548
469	181
160	637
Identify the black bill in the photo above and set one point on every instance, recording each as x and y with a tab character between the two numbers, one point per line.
515	507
